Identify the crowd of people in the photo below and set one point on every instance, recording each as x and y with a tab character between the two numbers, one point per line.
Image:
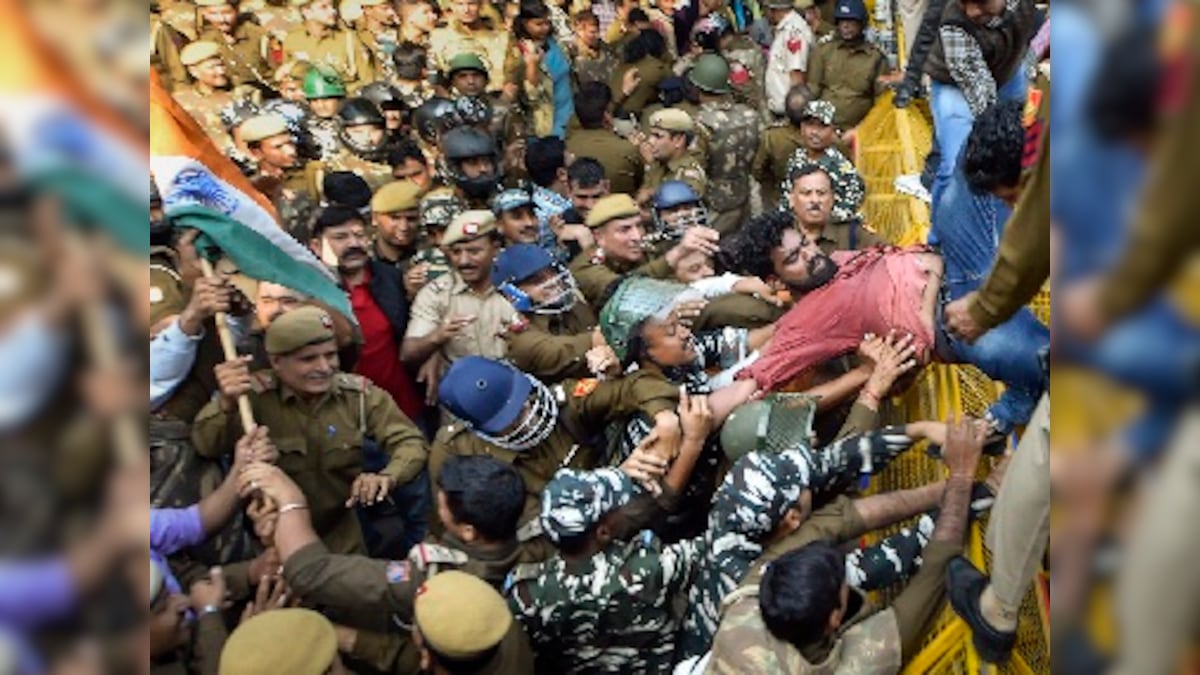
622	343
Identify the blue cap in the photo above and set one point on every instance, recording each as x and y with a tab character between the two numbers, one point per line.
488	395
510	199
855	10
518	263
672	193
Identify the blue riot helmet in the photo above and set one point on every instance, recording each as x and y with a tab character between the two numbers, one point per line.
549	287
854	10
498	403
676	208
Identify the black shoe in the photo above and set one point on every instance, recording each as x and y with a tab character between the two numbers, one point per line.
964	587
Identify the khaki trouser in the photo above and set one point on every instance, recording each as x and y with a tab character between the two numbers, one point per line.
1020	522
911	12
1158	591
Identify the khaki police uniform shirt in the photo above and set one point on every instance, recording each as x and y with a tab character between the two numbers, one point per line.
846	74
488	44
165	43
341	50
321	444
205	107
449	296
775	148
552	347
245	57
622	162
688	168
593	273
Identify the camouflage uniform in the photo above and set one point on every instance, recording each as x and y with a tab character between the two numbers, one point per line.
611	613
276	20
592	65
205	107
413	94
748	68
341	50
687	167
732	130
376	174
381	47
324	132
849	189
439	262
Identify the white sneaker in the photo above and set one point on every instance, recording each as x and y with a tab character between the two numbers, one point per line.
910	184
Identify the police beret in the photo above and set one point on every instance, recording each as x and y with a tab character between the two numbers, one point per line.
573	501
672	119
469	225
822	111
459	615
298	328
465	61
612	207
291	640
199	51
396	196
262	127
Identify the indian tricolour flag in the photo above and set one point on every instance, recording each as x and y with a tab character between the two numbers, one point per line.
203	189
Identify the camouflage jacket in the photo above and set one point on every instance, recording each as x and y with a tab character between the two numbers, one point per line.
611	613
732	130
748	69
743	644
849	190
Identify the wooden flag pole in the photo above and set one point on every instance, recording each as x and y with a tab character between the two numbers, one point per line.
245	412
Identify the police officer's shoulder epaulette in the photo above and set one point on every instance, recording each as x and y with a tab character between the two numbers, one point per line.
522	572
263	381
351	382
531	530
440	284
427	556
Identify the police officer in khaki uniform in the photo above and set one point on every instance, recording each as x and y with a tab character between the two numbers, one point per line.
208	92
461	313
595	138
276	17
848	71
319	41
318	419
285	640
165	43
672	132
469	31
396	216
483	549
273	149
777	145
377	29
245	46
616	223
556	337
504	413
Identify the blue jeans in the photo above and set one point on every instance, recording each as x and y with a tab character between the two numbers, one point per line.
952	121
969	236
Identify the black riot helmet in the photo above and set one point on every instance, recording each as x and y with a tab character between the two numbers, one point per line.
356	112
465	143
431	117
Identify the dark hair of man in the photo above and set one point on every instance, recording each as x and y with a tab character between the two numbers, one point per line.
992	158
749	251
484	493
585	172
795	102
410	59
530	9
543	158
1123	101
798	592
591	102
586	16
333	216
405	150
647	43
707	40
801	170
470	666
638	15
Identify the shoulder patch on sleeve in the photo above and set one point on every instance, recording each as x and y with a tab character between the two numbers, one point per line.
522	572
263	380
585	387
397	572
424	555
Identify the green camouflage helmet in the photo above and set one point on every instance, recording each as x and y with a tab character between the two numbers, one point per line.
322	82
711	74
465	61
635	300
777	423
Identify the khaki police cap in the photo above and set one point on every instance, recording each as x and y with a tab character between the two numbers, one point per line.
198	52
215	3
672	119
292	70
779	4
298	328
460	615
397	196
290	640
612	207
372	3
262	127
469	225
803	4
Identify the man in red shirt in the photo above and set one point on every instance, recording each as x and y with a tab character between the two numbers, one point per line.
843	296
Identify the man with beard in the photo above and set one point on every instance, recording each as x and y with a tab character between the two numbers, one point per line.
319	41
848	71
245	47
340	239
813	201
841	297
318	418
461	313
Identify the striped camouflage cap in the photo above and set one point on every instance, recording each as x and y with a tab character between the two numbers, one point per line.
635	300
758	491
573	501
